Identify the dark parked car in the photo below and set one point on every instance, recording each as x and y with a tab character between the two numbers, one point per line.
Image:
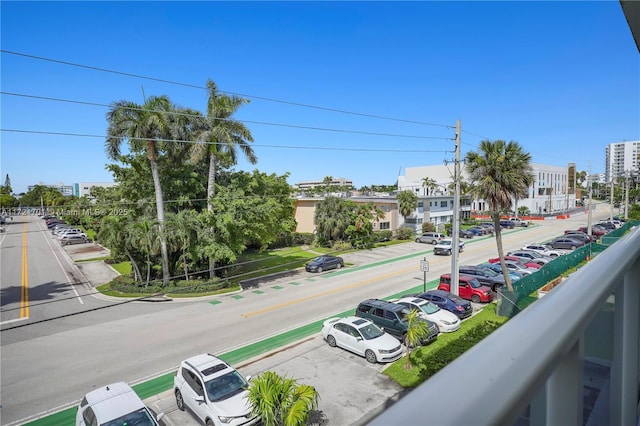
566	243
478	230
445	300
464	233
577	235
508	224
487	277
323	263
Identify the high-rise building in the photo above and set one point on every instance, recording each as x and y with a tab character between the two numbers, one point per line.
622	158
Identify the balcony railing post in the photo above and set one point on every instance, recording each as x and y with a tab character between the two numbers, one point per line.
564	389
626	347
538	408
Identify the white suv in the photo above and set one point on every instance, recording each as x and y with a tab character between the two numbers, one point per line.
213	391
115	404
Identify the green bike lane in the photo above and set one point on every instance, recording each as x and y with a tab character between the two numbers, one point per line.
165	382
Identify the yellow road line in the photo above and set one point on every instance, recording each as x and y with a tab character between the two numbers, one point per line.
24	293
326	293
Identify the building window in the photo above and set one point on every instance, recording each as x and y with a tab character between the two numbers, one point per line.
420	204
443	203
384	225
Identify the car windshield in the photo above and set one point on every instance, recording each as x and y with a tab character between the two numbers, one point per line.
429	308
370	331
140	417
226	386
475	283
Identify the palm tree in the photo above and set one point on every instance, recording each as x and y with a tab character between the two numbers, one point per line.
281	401
429	183
220	134
500	171
113	234
417	330
407	203
146	128
143	236
332	217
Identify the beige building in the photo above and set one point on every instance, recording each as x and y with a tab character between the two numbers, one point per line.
305	209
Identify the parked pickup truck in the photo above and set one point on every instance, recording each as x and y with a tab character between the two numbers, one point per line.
445	247
519	222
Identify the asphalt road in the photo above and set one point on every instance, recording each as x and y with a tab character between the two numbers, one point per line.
51	365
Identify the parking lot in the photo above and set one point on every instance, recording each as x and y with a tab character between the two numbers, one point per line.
352	391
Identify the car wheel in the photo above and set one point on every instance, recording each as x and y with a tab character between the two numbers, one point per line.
209	422
319	268
370	356
417	240
331	341
450	253
475	298
573	247
434	242
179	400
339	265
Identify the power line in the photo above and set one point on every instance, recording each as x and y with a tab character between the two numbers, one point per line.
179	113
379	117
319	148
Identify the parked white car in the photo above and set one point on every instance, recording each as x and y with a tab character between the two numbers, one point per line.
543	250
114	404
213	391
445	246
445	320
361	336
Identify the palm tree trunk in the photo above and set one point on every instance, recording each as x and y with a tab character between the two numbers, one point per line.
136	270
211	192
160	209
505	274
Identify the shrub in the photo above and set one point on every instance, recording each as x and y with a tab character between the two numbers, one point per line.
384	235
341	245
428	227
406	234
436	361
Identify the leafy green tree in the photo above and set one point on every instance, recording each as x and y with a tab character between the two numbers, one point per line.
43	195
332	217
407	203
360	230
143	234
115	235
146	128
417	331
182	231
281	401
6	195
500	172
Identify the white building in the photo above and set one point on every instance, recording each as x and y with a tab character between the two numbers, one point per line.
553	192
65	190
83	189
620	158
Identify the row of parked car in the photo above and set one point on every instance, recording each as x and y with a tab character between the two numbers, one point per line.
65	233
213	391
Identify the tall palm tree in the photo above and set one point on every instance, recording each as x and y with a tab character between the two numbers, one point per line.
500	171
146	128
220	134
407	203
281	401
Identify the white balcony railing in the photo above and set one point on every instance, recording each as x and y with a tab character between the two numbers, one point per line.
531	370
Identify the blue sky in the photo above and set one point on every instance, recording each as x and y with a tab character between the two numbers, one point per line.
560	78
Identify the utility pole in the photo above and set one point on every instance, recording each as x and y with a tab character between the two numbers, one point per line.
455	220
626	195
611	210
589	230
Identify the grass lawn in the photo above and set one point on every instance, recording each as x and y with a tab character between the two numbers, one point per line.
411	378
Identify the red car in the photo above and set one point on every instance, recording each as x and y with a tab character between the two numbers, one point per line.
516	259
596	231
469	288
